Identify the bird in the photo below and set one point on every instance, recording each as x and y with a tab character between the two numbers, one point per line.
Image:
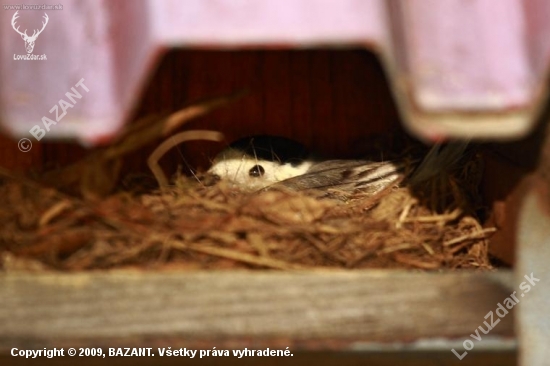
263	162
256	162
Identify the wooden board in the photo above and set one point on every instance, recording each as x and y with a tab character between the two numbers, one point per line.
339	310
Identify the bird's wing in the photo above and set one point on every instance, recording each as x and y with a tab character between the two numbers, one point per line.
348	175
372	177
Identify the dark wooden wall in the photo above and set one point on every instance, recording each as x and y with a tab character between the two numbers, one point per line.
331	100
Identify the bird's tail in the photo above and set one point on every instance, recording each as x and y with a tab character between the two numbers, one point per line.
441	158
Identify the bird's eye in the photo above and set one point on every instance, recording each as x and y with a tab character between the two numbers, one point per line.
256	171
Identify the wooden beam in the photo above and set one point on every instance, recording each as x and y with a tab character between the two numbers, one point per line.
305	310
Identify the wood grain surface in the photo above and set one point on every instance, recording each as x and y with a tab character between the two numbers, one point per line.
305	310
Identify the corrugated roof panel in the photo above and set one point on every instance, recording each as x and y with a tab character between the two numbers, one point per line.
458	68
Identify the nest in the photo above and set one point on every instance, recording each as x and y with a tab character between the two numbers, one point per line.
190	226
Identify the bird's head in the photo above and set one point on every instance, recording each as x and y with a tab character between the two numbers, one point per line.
259	161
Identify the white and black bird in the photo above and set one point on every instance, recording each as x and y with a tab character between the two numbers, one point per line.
258	162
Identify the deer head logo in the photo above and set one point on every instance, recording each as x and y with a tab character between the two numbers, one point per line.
29	41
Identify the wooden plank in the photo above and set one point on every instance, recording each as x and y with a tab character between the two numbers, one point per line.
328	309
533	233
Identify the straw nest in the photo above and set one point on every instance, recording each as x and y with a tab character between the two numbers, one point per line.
186	225
191	226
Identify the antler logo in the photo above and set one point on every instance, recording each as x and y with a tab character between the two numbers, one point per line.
29	41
